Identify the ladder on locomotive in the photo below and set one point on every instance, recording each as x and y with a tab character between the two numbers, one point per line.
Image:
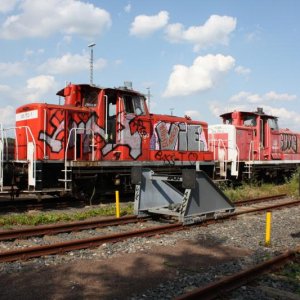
249	163
67	170
223	160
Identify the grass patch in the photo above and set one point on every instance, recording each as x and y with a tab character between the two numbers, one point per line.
248	191
39	218
239	193
292	273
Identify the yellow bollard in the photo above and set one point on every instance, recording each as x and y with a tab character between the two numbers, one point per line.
268	229
117	205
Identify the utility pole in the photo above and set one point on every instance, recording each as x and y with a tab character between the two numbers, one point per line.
91	62
148	97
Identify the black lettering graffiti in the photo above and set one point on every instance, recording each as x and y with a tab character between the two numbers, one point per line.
166	158
192	157
137	125
174	178
288	142
117	155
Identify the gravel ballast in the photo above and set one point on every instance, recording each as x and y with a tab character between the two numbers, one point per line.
161	267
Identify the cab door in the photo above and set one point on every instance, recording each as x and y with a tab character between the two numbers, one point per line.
133	127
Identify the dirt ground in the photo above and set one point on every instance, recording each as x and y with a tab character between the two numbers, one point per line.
115	278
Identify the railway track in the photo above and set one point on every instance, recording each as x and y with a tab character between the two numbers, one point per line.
36	251
83	225
230	283
66	227
259	199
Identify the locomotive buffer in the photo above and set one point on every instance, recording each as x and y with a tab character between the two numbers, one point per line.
198	198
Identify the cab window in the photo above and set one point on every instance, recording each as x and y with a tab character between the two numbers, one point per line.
90	97
273	124
134	104
249	121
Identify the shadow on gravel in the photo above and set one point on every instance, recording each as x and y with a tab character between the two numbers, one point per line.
118	277
295	235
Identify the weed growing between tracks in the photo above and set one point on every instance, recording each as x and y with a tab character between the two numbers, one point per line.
38	218
248	191
238	193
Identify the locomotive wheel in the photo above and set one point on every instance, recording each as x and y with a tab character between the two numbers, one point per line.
84	188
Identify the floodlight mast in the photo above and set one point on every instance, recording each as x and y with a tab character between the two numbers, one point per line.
91	62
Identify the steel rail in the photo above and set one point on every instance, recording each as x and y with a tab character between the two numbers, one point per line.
258	209
66	227
31	252
229	283
260	199
77	226
26	253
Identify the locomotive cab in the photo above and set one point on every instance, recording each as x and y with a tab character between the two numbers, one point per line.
258	127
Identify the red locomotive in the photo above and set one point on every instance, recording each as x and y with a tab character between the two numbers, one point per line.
250	144
94	139
96	136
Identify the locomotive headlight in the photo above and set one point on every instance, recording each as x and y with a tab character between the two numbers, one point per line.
117	180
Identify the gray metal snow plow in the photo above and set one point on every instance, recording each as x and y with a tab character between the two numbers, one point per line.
197	200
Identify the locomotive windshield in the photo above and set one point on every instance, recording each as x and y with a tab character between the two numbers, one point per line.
90	96
273	124
134	104
250	121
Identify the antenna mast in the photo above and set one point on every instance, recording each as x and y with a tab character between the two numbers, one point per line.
91	62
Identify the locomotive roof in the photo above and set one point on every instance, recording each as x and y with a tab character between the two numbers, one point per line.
99	88
259	112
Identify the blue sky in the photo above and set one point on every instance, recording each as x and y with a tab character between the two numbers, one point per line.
199	58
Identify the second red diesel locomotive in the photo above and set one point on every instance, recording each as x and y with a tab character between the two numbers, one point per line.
251	144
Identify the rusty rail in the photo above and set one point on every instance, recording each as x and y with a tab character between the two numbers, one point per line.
26	253
229	283
260	199
66	227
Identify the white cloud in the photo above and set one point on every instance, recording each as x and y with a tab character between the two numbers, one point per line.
11	69
245	97
256	98
43	18
69	63
8	116
216	30
242	70
39	86
201	76
143	25
31	52
7	5
118	62
273	96
127	8
254	36
4	88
